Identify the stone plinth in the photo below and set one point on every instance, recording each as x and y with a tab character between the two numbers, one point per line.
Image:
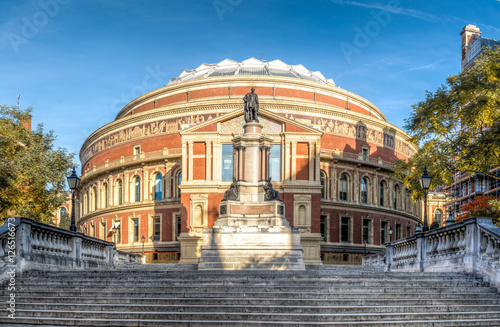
237	248
251	231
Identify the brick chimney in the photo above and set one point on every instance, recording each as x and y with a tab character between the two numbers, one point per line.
26	123
467	33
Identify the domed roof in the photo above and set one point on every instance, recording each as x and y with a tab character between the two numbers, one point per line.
251	66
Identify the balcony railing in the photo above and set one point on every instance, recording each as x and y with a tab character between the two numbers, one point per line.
359	158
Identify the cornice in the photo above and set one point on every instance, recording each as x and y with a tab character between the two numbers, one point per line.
246	80
124	208
344	205
278	107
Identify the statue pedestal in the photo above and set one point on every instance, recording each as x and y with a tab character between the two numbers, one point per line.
251	231
237	248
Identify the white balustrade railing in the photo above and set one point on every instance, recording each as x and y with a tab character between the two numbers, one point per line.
26	244
472	245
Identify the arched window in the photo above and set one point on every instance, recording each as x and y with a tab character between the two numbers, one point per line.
105	197
343	187
62	212
322	178
87	202
137	189
382	193
119	192
364	190
177	190
438	216
158	187
95	198
396	196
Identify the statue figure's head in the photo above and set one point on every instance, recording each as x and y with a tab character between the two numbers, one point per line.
253	89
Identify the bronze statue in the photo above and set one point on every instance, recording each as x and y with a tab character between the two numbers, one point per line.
251	106
232	193
270	193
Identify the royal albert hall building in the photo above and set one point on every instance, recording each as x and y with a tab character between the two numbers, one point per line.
154	177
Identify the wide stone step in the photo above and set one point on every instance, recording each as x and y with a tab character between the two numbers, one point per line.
494	300
214	283
271	289
259	316
283	295
51	322
254	309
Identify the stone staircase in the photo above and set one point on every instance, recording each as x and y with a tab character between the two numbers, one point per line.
176	295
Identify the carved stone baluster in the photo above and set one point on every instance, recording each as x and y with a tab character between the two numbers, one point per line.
50	241
463	242
451	242
490	248
483	245
434	245
43	241
496	253
456	239
441	244
2	251
34	240
429	245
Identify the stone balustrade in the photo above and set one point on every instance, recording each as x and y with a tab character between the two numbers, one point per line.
358	158
472	245
26	244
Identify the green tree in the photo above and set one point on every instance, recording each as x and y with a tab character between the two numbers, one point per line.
32	172
65	221
456	127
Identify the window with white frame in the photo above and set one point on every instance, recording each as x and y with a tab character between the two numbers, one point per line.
158	187
343	194
275	163
227	162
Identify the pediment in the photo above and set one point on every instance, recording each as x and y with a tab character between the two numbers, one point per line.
232	123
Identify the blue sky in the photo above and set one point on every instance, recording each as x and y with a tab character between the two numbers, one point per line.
77	63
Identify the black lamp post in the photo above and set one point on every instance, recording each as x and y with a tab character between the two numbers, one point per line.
425	183
73	182
390	234
142	240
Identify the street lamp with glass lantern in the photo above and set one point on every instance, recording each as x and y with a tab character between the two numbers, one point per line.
425	183
390	234
73	182
142	240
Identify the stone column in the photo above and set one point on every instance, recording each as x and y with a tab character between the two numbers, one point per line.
312	162
190	159
184	159
293	154
287	150
208	155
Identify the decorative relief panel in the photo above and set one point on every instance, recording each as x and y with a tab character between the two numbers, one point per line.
235	125
163	126
358	131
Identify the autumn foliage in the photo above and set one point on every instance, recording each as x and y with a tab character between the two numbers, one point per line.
480	206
